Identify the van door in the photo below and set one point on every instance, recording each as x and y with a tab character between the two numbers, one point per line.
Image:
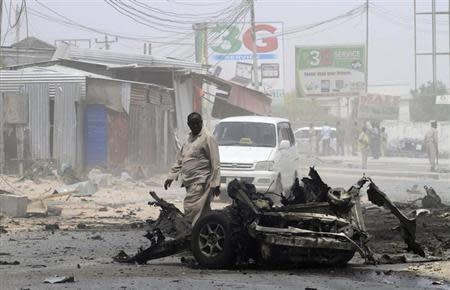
287	156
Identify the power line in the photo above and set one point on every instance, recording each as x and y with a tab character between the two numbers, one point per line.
70	23
194	17
134	17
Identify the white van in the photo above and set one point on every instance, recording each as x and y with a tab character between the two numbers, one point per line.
258	150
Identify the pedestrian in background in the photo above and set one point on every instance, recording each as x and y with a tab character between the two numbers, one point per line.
340	138
383	137
354	134
431	145
326	138
374	139
363	146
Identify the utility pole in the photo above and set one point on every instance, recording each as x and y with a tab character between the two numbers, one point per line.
107	42
201	42
367	46
254	55
19	21
433	47
433	53
1	19
415	45
147	48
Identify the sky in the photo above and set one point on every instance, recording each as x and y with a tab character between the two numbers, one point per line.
391	34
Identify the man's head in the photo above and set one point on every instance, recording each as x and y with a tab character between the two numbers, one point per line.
433	124
195	123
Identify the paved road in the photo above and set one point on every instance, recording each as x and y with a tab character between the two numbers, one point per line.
42	255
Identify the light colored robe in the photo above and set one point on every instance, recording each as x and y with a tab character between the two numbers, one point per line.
198	167
431	143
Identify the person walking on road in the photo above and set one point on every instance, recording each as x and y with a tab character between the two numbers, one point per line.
198	166
374	139
354	134
326	138
431	144
340	139
363	145
383	138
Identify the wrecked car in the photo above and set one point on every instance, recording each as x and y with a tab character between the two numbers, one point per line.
314	224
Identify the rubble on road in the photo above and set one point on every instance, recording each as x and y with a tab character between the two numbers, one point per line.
171	224
84	188
39	169
318	218
59	279
68	175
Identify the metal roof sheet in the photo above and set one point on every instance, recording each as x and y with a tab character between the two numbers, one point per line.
113	59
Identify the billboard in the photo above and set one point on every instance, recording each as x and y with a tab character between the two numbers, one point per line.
330	70
378	107
230	54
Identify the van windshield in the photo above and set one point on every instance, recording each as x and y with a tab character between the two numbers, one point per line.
245	134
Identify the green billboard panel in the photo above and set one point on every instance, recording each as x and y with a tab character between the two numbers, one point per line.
330	70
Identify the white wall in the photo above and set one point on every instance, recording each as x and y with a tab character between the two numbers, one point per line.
403	129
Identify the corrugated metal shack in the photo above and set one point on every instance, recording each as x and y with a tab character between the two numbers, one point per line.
84	120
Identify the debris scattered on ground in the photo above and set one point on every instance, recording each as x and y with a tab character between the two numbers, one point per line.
97	237
440	282
173	224
85	188
3	230
13	205
7	263
99	178
59	279
68	174
432	199
51	227
407	225
39	169
81	226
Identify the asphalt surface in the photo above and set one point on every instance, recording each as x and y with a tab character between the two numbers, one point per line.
86	255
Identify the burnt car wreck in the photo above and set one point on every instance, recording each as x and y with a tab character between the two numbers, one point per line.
314	224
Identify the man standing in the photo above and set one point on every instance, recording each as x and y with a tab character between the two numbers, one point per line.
383	138
431	144
340	138
326	138
198	166
363	144
354	134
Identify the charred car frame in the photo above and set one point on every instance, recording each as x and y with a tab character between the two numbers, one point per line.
315	224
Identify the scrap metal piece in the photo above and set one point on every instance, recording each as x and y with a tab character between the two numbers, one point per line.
59	279
432	199
407	225
168	235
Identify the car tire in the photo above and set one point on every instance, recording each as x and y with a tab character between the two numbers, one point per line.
212	241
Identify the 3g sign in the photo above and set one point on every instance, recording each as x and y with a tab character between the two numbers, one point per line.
323	57
230	41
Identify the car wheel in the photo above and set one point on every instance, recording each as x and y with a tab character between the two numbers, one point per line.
212	241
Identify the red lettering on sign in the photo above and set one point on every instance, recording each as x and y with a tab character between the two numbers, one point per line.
271	43
325	57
